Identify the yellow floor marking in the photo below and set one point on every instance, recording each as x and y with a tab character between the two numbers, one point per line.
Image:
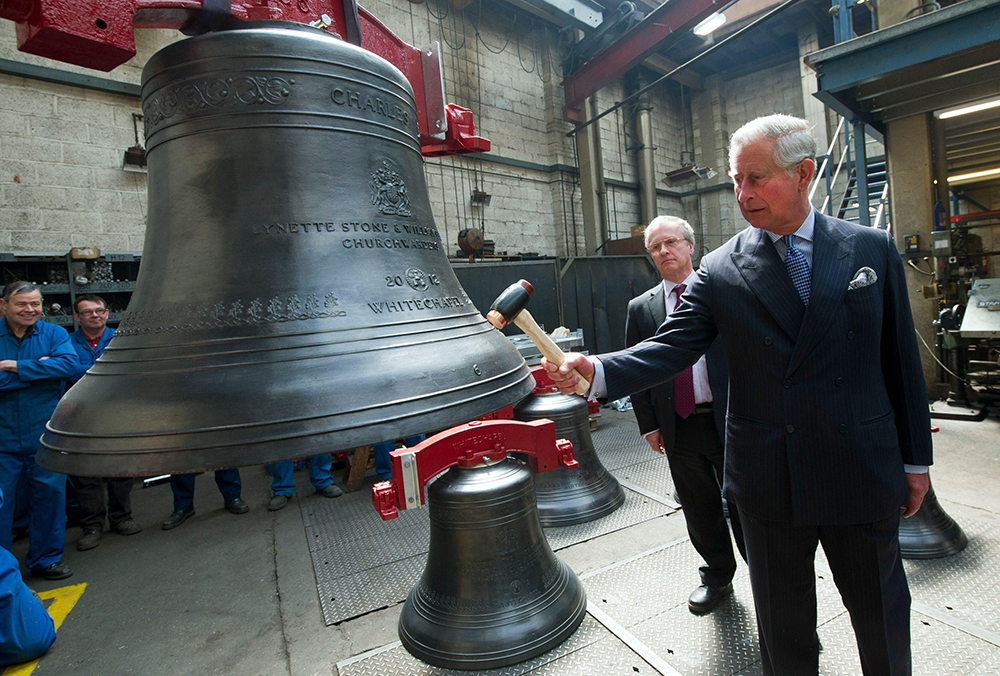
63	599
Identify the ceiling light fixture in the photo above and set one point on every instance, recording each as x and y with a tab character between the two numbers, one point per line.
709	25
986	105
974	175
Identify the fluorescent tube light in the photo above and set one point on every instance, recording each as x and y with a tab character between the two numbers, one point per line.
711	23
974	175
986	105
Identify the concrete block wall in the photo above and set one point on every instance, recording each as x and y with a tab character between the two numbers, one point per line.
62	184
720	109
61	149
748	97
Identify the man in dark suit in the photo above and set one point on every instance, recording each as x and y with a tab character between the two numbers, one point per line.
685	418
828	429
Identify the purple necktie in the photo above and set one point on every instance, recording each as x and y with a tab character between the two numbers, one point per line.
684	382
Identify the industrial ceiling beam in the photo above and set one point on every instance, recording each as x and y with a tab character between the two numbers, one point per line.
893	58
942	90
669	19
953	97
967	63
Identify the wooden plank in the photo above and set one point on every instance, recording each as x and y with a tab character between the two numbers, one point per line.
357	467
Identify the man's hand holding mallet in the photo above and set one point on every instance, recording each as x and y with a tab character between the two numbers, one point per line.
510	306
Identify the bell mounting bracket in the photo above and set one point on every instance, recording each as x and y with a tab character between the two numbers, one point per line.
469	445
100	34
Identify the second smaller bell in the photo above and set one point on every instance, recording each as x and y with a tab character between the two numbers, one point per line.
568	497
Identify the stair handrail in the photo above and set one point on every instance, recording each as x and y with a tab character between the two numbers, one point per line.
836	174
826	160
881	208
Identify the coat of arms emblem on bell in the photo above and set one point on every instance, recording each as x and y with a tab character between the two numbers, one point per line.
389	192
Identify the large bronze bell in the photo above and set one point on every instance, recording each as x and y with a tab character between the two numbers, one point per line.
295	297
493	593
568	497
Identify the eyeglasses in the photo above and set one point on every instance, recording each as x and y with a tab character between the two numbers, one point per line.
668	243
91	313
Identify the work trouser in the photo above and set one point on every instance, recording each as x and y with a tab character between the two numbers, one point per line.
46	500
93	508
182	485
283	482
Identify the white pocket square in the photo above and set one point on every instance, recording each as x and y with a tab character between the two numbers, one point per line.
864	277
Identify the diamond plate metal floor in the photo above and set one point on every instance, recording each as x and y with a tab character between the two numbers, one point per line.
591	650
952	623
363	564
642	601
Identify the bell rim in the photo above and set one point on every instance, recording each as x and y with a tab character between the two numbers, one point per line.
513	654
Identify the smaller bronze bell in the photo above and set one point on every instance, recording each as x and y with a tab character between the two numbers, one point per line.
492	593
581	495
930	533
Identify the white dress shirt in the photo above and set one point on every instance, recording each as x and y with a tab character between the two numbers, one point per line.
801	238
702	391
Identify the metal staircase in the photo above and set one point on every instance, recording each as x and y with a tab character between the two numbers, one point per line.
877	195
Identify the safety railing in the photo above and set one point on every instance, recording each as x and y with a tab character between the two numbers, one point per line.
880	213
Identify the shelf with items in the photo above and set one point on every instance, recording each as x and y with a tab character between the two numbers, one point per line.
61	320
110	276
50	274
64	278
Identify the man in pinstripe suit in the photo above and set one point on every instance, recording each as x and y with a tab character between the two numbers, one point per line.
828	430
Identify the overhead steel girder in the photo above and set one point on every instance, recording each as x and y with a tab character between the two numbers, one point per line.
905	54
670	18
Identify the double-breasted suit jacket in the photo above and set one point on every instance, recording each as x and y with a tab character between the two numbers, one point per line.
826	403
654	408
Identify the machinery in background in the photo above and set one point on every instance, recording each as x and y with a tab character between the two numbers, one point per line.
970	356
969	336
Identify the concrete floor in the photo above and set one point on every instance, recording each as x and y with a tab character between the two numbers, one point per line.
225	594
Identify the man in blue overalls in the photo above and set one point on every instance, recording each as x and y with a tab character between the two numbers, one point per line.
26	630
36	358
91	313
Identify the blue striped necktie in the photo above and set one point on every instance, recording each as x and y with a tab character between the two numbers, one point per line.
798	269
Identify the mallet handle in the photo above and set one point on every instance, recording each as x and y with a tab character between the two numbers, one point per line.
546	345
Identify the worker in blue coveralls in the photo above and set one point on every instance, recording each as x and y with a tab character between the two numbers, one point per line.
26	630
91	313
283	484
36	358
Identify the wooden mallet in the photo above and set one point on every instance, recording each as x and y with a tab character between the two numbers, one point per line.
511	306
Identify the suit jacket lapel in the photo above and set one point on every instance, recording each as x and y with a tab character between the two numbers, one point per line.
765	274
833	247
657	306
